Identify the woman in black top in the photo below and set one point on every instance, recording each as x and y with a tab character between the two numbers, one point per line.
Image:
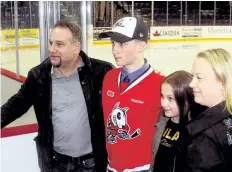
211	131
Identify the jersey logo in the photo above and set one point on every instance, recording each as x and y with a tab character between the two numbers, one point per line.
110	93
118	127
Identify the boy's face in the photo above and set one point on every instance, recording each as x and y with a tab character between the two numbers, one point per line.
126	53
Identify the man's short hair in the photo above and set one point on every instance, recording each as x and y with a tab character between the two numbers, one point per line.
74	29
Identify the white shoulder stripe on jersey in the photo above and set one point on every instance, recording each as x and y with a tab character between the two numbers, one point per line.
119	79
136	81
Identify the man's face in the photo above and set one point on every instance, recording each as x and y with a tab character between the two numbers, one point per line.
126	53
62	48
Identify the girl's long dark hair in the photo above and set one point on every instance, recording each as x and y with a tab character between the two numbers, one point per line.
179	81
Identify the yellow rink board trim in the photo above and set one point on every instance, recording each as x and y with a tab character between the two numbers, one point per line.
172	40
20	47
149	42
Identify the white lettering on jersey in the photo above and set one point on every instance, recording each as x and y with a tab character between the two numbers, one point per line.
110	93
137	101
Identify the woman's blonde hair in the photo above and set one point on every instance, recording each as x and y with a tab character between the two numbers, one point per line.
221	61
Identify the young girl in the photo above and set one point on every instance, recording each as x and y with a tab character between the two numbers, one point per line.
177	101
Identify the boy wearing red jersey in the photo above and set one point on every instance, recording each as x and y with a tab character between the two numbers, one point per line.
131	98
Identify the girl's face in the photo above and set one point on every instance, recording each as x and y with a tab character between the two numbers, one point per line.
168	102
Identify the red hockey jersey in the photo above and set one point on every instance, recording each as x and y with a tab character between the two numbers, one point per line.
129	119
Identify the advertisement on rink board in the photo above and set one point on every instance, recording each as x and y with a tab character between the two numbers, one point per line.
185	32
165	32
26	37
218	31
30	37
191	32
98	30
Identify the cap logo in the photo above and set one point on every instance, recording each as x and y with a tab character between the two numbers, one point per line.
141	35
120	23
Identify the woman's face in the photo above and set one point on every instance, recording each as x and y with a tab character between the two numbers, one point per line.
168	101
207	89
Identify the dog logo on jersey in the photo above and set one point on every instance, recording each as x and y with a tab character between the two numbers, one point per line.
117	125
